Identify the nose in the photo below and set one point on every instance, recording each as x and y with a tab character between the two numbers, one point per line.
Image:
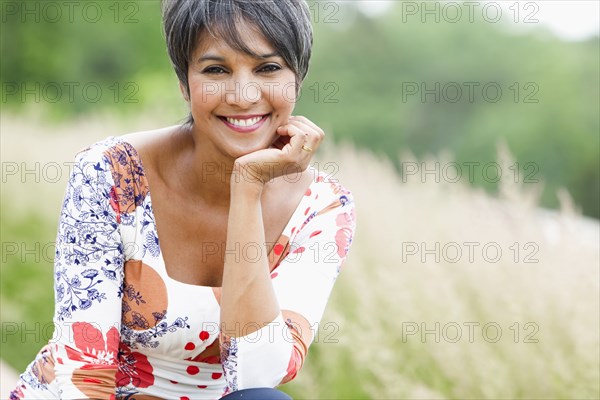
242	91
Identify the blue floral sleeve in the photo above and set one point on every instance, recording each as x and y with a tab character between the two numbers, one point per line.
88	281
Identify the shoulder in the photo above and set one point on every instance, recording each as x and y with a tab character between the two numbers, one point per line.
327	192
326	216
119	161
329	203
112	151
127	149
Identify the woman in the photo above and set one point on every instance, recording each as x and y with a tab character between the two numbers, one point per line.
251	238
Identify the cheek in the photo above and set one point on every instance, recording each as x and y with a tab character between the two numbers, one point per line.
204	96
284	97
199	92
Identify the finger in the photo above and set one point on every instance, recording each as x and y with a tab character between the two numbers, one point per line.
280	142
298	139
309	123
289	131
284	129
313	138
285	133
307	126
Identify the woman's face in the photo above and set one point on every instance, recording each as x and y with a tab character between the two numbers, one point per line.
238	101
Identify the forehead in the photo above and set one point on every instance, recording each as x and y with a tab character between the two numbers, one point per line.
246	39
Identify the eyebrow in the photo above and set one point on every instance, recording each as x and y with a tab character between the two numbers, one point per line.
213	57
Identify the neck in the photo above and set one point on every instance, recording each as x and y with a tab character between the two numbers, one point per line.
204	173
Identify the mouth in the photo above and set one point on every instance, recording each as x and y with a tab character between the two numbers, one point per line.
245	123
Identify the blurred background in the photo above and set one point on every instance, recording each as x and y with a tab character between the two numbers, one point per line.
468	132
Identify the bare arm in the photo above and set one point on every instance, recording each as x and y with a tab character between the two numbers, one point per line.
248	300
258	348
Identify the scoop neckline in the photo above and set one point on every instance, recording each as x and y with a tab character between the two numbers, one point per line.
120	139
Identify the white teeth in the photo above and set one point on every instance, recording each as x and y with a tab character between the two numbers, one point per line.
244	122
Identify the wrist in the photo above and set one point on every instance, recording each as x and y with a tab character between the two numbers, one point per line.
241	185
246	178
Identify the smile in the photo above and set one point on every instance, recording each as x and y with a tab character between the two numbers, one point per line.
245	123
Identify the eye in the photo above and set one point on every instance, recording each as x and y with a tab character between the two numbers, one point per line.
270	68
215	70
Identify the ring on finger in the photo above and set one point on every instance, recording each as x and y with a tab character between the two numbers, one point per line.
305	147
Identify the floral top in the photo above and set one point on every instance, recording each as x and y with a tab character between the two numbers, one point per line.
124	327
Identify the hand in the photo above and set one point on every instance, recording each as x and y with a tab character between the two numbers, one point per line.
290	153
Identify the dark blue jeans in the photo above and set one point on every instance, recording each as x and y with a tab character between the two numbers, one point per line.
257	394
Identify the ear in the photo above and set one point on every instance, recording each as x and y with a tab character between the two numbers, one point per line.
184	92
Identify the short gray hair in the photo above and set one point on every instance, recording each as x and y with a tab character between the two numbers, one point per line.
285	24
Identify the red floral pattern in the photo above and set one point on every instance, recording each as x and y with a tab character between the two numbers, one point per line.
97	355
90	344
134	369
343	237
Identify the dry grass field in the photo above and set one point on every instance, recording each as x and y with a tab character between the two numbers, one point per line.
449	292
